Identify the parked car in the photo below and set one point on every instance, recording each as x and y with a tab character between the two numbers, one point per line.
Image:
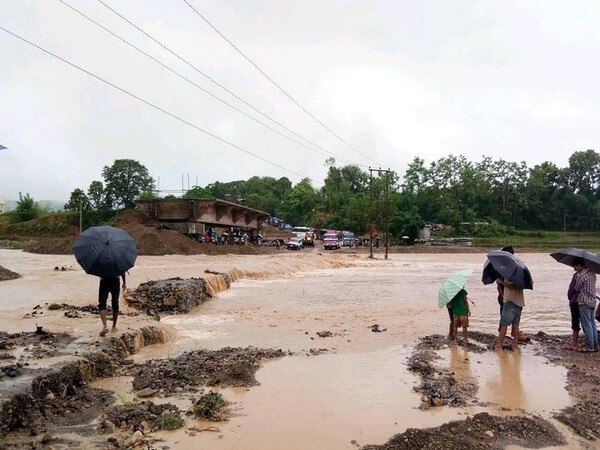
331	241
348	239
295	243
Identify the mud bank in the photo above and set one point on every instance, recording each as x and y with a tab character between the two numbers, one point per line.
7	274
482	431
583	383
225	367
47	399
438	386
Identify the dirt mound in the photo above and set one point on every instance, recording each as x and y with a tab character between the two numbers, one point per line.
51	246
225	367
150	241
6	274
482	431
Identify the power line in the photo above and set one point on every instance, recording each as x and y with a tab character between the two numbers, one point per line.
150	103
195	84
275	83
189	64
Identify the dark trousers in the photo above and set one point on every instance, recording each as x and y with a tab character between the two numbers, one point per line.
112	286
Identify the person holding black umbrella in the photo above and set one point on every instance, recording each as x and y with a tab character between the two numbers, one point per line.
514	301
107	253
110	285
585	286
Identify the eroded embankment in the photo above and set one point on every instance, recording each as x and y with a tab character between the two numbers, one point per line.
62	393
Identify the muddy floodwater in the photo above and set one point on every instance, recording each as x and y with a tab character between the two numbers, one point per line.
351	386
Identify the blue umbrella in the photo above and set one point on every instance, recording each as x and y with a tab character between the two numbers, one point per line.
105	251
501	264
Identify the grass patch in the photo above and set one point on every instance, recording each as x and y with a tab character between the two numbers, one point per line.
546	241
172	421
210	406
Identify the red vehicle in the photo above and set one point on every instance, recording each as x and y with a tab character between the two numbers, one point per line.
331	241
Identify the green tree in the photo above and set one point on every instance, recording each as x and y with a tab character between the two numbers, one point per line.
27	208
299	205
125	180
78	199
406	223
98	196
198	192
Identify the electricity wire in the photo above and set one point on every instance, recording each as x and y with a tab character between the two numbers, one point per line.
327	153
236	48
152	105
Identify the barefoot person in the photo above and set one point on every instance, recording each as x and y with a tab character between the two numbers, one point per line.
514	301
585	285
461	312
575	320
110	285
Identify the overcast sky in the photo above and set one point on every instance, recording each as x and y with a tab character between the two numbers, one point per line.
396	79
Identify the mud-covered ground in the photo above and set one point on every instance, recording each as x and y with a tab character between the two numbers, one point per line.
7	274
224	367
583	383
482	431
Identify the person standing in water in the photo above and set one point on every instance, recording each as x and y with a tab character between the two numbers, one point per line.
110	285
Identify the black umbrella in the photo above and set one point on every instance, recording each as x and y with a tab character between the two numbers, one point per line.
105	251
566	256
501	264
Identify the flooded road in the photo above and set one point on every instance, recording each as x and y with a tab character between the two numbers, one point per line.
360	389
357	386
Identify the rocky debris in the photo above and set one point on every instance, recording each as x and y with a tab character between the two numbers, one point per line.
174	295
324	334
6	274
63	269
375	328
36	345
72	314
61	396
225	367
211	406
583	418
147	392
11	370
144	417
583	383
482	431
438	386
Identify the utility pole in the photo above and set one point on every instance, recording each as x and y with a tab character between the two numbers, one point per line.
370	213
80	216
386	210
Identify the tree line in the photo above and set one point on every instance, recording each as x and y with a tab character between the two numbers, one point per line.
495	194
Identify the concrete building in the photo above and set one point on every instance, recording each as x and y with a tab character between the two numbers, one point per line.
196	216
2	205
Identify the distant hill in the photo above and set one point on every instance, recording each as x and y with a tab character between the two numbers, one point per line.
53	205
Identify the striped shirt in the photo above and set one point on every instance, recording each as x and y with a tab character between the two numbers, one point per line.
585	285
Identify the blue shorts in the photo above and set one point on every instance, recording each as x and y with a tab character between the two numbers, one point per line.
511	314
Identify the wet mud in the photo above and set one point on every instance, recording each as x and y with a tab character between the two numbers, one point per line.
482	431
7	274
438	386
225	367
583	383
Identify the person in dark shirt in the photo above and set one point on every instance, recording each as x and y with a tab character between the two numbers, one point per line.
110	285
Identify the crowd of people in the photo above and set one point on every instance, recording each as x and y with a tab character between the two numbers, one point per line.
232	237
581	295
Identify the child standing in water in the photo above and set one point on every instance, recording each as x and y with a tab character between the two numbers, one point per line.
461	312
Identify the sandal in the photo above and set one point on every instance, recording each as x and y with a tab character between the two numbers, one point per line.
585	350
104	332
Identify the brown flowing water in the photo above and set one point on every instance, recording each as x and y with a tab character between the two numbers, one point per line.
359	388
